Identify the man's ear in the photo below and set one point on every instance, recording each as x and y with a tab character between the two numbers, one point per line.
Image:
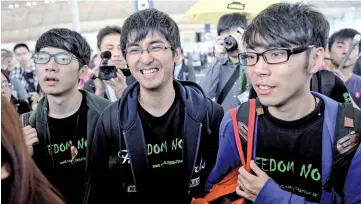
316	59
82	71
177	55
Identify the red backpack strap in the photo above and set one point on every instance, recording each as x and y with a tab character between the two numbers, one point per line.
233	113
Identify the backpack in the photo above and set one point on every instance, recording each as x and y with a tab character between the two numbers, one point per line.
28	118
323	82
348	128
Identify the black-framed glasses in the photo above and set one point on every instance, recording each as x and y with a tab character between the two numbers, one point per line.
62	58
272	56
152	49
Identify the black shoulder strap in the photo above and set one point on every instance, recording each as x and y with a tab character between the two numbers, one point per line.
327	81
315	82
228	86
216	115
347	133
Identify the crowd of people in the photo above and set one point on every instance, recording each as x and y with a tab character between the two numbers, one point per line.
276	118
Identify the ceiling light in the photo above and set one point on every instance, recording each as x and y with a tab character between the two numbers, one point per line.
16	5
11	6
28	4
34	3
46	1
52	1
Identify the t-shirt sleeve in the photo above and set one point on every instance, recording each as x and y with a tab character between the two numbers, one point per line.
339	92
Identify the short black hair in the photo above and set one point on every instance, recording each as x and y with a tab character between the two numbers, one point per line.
343	34
150	20
109	30
287	24
21	45
230	21
67	40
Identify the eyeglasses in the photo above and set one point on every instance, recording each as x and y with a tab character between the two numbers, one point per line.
273	56
61	58
135	51
6	85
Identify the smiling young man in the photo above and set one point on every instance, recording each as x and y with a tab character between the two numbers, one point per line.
161	137
296	130
63	123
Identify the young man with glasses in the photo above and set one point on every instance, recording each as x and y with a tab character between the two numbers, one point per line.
162	136
296	131
62	126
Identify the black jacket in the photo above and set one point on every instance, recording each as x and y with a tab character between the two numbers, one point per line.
115	172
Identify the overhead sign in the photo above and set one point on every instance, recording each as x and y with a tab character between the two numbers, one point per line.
207	31
143	4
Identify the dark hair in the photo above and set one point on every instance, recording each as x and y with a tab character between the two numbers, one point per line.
109	30
6	73
27	185
287	24
21	45
67	40
343	34
229	21
150	20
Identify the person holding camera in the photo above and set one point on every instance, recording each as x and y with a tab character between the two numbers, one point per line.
225	80
109	40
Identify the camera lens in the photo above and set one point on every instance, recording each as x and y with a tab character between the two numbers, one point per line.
230	43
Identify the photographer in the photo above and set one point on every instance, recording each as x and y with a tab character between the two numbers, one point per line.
108	40
225	79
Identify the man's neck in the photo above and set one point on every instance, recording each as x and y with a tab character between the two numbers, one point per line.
27	65
65	105
158	102
295	108
347	72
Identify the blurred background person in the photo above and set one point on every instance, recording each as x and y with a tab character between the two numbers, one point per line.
357	67
184	72
108	39
339	44
26	71
21	181
21	106
7	64
225	79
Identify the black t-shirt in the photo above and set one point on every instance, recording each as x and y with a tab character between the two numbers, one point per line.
339	92
163	136
66	177
290	152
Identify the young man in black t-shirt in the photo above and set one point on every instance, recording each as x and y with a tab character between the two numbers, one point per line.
60	130
294	128
161	136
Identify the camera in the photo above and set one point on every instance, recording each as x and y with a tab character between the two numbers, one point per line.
230	43
107	72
